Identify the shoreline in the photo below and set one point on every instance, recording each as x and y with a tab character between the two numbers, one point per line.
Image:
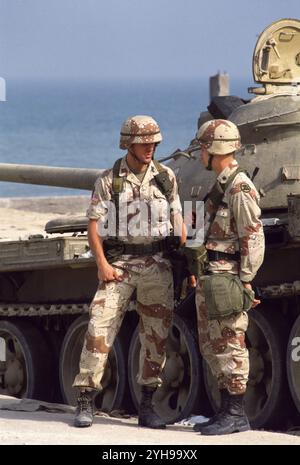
77	204
22	216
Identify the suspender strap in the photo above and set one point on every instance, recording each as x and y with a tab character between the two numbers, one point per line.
162	180
216	195
117	188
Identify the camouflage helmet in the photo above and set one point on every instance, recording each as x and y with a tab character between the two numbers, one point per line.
140	129
220	136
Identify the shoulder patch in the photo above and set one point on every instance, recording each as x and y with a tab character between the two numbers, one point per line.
245	187
94	198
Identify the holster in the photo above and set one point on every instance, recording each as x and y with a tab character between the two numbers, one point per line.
179	268
196	259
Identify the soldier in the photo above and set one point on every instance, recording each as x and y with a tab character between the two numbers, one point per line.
235	249
131	258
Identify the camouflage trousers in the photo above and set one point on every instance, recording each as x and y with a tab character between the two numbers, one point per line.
222	345
153	281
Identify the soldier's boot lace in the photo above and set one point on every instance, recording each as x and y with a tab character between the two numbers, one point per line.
147	415
232	420
224	400
84	410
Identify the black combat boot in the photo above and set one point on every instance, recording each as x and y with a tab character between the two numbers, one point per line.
147	416
232	420
224	400
84	410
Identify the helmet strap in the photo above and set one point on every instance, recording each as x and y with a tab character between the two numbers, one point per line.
209	165
155	145
133	154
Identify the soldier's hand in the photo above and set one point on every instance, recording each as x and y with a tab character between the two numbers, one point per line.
255	301
192	281
108	273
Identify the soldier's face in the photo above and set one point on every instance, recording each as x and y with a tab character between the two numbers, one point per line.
204	156
144	152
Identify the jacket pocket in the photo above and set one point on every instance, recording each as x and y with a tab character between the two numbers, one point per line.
221	224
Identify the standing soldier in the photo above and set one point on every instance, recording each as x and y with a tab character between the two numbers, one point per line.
130	258
235	249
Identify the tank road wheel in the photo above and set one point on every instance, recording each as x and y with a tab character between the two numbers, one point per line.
182	385
293	363
114	380
25	361
266	390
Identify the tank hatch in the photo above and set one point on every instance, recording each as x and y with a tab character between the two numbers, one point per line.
67	224
276	58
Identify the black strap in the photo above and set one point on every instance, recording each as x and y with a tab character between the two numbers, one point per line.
118	181
117	188
138	249
216	196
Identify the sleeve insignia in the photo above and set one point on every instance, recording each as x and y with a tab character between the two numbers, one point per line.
94	198
245	187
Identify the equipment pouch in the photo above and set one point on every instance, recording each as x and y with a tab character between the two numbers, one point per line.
164	183
225	295
197	259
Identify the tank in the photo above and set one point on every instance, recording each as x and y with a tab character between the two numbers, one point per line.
46	283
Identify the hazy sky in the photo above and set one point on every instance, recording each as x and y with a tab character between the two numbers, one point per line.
133	38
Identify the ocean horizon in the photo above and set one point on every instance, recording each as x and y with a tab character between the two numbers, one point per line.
77	123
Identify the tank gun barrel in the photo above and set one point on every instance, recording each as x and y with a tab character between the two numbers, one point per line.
75	178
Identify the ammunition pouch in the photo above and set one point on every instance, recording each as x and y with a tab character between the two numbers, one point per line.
163	182
196	259
225	295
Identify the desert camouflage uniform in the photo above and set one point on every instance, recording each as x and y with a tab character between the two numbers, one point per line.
151	276
236	227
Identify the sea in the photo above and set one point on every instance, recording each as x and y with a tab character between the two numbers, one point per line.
73	123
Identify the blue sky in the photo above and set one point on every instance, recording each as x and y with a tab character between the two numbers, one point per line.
133	38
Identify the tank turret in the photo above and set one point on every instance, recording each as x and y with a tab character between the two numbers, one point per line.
269	123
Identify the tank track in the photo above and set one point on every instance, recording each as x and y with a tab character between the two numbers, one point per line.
280	290
13	310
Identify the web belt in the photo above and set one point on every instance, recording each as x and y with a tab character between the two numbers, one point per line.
142	249
214	255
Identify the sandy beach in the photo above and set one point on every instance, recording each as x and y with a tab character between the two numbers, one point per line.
20	217
45	427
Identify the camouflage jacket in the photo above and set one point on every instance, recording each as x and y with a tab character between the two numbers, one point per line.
144	211
237	226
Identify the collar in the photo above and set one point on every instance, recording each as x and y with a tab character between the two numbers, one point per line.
224	175
126	171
